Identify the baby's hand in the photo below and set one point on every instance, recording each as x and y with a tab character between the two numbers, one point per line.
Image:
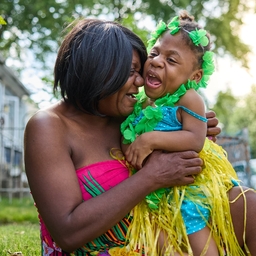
138	151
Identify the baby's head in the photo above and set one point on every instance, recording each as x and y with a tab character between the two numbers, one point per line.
187	25
195	38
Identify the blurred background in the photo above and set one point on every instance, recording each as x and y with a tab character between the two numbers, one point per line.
29	43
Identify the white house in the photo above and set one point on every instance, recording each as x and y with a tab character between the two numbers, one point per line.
15	110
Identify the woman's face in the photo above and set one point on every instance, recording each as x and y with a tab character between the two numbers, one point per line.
122	102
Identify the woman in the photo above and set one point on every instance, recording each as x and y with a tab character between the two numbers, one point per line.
69	154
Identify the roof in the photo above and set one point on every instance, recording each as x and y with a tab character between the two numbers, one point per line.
11	80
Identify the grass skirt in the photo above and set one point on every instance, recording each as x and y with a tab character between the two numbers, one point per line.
213	183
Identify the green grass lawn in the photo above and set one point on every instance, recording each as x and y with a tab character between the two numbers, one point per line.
19	227
20	237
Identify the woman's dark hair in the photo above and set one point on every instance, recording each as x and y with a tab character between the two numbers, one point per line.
94	61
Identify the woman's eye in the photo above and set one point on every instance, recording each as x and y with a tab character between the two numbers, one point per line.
132	71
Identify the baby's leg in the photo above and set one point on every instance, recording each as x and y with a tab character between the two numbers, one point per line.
238	211
195	217
161	243
198	241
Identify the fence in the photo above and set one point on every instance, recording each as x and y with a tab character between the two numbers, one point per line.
238	153
12	183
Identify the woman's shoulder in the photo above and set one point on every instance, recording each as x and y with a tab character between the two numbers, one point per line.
45	115
47	119
45	134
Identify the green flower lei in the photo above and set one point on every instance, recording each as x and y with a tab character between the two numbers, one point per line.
152	115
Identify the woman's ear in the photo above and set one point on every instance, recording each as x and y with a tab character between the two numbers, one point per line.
197	75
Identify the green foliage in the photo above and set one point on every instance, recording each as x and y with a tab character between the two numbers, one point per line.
2	21
236	114
24	238
224	107
131	23
245	116
226	29
35	28
37	25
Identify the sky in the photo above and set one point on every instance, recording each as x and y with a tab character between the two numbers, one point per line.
229	73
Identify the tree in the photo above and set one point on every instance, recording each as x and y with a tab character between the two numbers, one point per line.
224	108
34	28
37	25
236	114
245	117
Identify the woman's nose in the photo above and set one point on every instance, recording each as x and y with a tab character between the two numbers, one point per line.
139	81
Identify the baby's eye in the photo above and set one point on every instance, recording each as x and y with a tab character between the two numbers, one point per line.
171	60
152	54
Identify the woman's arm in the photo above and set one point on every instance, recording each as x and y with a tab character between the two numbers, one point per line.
71	221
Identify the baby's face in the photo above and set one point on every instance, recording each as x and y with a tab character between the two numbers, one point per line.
170	64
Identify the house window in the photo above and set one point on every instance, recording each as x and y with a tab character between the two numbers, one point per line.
17	157
8	155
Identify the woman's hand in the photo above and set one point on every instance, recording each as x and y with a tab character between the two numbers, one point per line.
172	169
212	122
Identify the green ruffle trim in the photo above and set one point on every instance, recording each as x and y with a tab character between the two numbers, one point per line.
160	29
199	37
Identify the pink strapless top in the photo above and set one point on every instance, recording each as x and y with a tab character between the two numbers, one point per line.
94	180
102	176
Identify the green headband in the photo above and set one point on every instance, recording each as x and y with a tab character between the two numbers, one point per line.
198	37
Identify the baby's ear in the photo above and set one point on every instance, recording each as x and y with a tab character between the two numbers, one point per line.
197	75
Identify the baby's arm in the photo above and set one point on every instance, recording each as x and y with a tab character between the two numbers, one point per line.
191	137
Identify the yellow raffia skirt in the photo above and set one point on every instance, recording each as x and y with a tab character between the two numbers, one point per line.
213	182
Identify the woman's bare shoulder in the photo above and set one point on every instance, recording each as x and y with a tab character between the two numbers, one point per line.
51	114
44	122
